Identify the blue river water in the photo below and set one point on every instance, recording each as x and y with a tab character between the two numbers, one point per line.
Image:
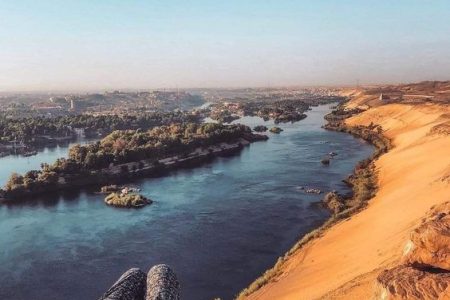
219	226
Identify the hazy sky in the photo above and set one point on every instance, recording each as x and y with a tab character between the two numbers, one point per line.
104	44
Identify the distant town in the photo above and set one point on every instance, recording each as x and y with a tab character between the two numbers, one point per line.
21	105
32	120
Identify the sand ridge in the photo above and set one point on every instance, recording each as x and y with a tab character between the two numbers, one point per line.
344	262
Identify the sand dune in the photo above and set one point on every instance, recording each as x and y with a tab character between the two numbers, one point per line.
413	176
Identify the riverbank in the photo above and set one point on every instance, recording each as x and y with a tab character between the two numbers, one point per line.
344	261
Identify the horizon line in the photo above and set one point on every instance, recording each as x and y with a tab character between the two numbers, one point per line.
130	89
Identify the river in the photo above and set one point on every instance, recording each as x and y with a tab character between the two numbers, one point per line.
219	226
21	164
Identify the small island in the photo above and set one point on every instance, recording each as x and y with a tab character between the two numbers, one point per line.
276	130
127	200
325	161
280	108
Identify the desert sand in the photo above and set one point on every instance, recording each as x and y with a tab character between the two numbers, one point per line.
412	177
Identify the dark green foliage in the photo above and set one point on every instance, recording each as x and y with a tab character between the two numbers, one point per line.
28	130
126	149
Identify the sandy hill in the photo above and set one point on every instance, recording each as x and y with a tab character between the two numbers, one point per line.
414	93
413	177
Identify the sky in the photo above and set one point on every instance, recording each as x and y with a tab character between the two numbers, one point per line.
144	44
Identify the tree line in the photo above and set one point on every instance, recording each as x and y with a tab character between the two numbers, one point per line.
121	147
27	130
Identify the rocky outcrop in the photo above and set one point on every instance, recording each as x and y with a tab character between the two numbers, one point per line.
441	129
334	202
430	242
260	128
325	161
128	200
425	273
162	284
406	282
276	130
130	286
255	137
159	284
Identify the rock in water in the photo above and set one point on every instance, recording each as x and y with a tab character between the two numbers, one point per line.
276	130
127	200
408	283
162	284
325	161
130	286
430	242
260	128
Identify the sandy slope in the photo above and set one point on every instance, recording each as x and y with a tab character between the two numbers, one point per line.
414	176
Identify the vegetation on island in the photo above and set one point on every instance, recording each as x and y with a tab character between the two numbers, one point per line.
41	130
157	143
128	200
123	153
281	110
223	116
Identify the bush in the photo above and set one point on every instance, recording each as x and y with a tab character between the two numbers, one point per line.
127	200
